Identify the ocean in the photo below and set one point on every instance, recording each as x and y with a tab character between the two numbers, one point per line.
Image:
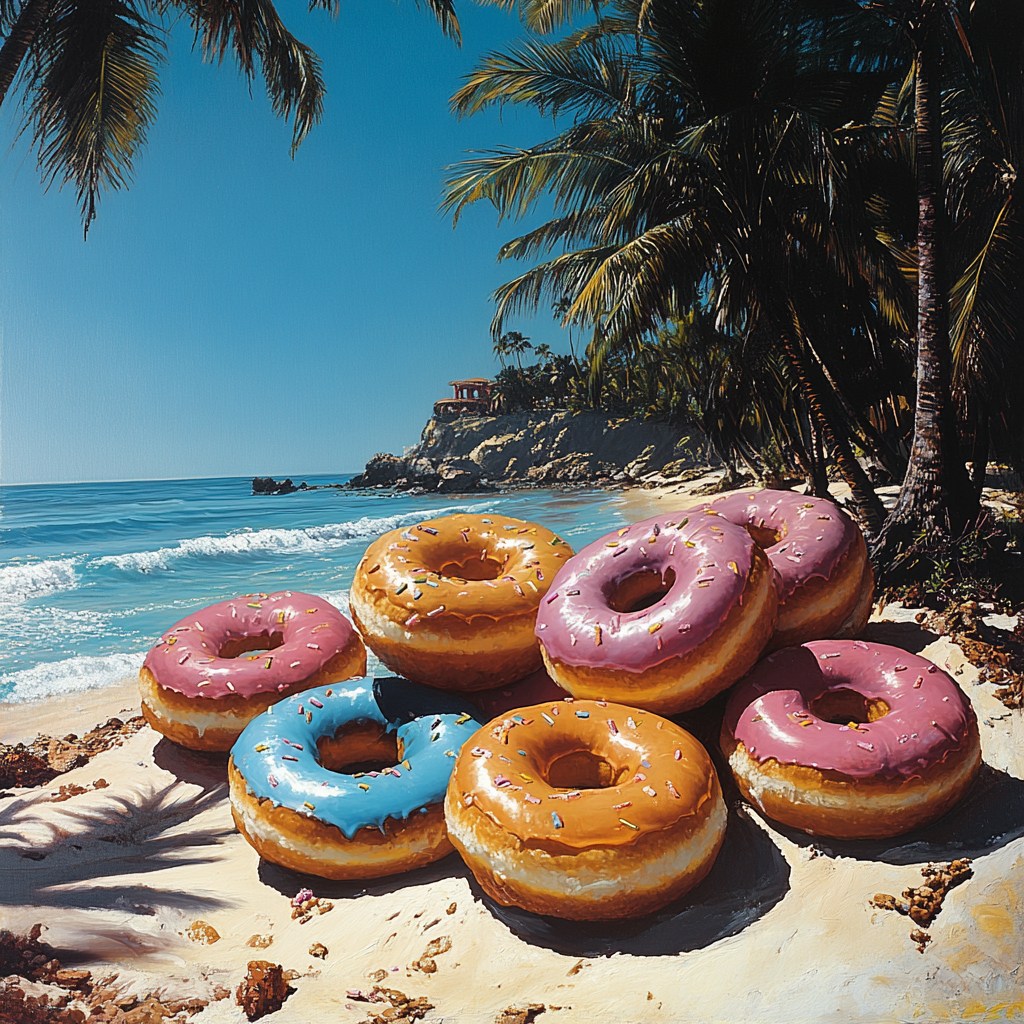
92	573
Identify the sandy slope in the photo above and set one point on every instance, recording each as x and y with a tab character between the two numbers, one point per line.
781	931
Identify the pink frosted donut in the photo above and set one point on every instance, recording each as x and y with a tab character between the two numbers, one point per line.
848	739
661	615
824	577
198	692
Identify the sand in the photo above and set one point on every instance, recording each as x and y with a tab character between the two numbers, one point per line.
781	931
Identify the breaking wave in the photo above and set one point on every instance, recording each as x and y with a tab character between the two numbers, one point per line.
69	676
249	542
23	581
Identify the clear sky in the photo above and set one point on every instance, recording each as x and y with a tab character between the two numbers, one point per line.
237	312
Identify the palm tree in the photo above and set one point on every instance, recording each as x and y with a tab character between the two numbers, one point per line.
88	70
703	168
985	114
936	499
513	343
501	350
543	353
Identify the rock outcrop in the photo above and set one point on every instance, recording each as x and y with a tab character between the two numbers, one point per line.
268	485
482	452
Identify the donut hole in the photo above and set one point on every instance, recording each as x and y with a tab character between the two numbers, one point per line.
359	749
641	589
848	707
474	569
765	536
257	643
582	769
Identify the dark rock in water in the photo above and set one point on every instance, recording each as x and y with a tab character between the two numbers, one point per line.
383	468
268	485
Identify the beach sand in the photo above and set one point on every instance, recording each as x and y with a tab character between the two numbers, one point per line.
781	931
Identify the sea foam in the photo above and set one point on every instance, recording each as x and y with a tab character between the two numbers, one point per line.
270	541
20	582
68	676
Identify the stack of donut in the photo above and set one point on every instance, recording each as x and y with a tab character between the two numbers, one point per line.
577	798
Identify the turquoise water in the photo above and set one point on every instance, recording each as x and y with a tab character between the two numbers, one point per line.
92	573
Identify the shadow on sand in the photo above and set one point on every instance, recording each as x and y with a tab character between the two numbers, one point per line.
208	771
83	861
288	882
908	635
987	818
750	877
78	856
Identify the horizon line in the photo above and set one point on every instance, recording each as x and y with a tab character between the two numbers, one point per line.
171	479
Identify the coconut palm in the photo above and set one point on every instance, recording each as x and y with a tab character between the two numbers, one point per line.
88	71
985	115
513	343
936	497
703	168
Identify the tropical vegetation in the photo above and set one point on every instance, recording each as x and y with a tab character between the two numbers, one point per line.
796	221
88	75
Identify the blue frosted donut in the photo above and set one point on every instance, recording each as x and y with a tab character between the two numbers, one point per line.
348	781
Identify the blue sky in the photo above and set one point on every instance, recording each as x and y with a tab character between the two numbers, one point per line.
236	312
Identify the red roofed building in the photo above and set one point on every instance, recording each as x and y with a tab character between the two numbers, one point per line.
472	398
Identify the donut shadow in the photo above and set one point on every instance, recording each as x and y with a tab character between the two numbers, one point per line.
208	770
749	877
909	636
989	816
288	882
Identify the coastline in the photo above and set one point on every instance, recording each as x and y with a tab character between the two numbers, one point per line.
62	713
781	930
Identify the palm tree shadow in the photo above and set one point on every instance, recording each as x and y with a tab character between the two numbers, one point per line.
129	834
989	816
208	771
288	882
749	877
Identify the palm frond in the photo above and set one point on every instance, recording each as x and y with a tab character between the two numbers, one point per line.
555	78
253	32
546	16
514	180
93	89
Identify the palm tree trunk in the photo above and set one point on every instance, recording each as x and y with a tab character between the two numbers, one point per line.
812	387
979	455
935	499
819	479
12	55
804	460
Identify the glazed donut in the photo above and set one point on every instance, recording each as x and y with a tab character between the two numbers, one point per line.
824	578
585	810
852	740
661	615
198	692
451	602
293	802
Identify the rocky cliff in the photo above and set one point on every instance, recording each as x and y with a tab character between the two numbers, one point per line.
482	452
